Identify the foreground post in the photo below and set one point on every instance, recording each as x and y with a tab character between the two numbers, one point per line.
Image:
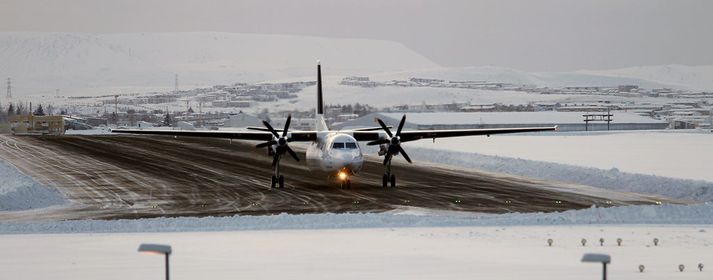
604	259
157	249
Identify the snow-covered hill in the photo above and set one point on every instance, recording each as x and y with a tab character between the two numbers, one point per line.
83	63
514	76
681	76
80	63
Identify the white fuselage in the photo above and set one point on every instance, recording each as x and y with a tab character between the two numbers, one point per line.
334	152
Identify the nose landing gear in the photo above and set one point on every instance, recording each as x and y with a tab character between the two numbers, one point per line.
344	181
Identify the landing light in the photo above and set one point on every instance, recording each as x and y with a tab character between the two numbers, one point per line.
342	175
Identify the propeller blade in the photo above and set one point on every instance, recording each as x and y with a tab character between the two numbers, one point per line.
275	159
378	142
387	158
267	124
401	125
383	126
403	153
268	143
292	153
287	125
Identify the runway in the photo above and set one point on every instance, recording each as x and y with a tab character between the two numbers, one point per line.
128	176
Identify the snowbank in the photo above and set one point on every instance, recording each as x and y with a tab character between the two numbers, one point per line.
665	214
611	179
20	192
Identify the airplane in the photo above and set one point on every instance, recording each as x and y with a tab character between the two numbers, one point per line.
335	154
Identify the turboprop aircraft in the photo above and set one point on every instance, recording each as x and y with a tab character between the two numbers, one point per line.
336	154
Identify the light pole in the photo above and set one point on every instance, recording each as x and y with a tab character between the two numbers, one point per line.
157	249
604	259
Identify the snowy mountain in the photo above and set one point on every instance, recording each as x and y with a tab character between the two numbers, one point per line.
679	76
81	63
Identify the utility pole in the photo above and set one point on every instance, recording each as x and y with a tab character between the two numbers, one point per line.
175	89
56	93
9	88
116	109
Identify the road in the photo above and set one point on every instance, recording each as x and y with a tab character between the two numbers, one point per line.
129	176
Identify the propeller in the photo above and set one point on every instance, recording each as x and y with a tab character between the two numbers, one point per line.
280	141
393	141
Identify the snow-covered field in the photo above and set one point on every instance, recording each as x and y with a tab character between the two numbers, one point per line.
676	154
381	253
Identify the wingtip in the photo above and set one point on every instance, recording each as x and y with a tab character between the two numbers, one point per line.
557	127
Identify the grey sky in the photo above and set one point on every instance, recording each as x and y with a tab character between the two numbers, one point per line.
548	35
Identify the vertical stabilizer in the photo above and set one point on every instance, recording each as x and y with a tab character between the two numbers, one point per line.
320	104
320	124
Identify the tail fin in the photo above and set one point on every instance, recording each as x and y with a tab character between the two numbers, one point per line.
320	104
320	124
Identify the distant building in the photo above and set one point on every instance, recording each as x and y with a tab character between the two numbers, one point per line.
37	125
627	88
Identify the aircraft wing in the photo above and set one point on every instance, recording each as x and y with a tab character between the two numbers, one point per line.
297	136
412	135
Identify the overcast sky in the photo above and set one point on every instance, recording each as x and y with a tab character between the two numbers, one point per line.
534	35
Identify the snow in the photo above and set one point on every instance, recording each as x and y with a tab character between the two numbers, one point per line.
94	131
20	192
681	76
677	154
408	217
371	246
84	63
518	77
545	117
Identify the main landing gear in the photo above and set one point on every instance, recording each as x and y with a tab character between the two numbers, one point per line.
277	179
388	177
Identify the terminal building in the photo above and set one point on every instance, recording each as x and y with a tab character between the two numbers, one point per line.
566	121
37	125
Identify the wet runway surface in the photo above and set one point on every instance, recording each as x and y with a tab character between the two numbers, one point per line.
127	176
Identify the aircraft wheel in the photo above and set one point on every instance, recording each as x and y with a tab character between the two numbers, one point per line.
384	181
282	181
274	181
393	180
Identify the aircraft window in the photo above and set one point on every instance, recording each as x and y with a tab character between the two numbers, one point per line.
351	145
338	145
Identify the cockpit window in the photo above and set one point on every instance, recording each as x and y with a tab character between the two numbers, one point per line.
338	145
351	145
